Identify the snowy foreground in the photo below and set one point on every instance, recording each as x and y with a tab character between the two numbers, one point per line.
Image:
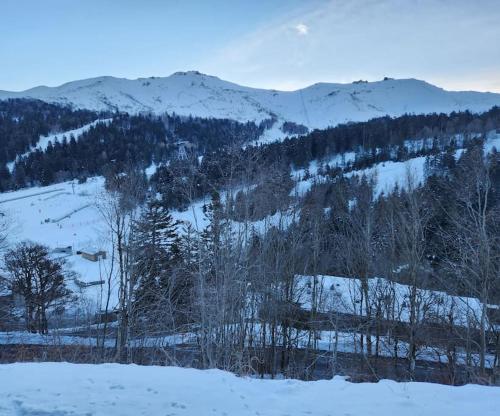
60	389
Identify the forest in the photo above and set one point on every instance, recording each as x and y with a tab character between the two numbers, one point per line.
402	284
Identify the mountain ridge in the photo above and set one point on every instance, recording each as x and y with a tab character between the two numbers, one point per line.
319	105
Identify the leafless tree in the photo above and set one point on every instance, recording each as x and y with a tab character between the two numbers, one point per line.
412	218
473	239
356	248
39	279
118	207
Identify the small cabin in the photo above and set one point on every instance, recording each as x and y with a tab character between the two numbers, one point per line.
92	255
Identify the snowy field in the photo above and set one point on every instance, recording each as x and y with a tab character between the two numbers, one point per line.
59	216
67	214
61	389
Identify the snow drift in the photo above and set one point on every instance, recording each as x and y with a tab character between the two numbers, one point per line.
110	389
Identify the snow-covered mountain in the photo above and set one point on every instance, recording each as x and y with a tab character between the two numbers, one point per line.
318	106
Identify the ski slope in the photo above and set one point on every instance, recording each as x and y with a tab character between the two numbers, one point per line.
317	106
62	389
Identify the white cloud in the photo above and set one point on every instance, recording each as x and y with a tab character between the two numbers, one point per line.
302	29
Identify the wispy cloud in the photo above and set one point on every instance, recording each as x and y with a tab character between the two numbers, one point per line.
442	41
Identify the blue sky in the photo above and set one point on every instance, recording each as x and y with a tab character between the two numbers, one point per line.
282	44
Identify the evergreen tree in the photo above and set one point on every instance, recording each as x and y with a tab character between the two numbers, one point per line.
156	251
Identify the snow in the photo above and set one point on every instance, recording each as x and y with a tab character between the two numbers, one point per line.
391	174
334	294
302	187
60	215
53	339
342	295
37	213
492	142
350	342
64	337
65	214
76	133
43	141
275	133
194	214
151	169
318	106
62	389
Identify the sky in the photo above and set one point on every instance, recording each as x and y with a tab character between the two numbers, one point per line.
280	44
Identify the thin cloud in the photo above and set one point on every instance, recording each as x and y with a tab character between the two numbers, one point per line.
440	41
302	29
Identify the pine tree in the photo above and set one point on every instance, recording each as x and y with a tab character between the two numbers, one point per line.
155	252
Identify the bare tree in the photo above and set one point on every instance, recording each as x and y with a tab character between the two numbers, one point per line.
356	248
39	279
473	240
118	207
412	218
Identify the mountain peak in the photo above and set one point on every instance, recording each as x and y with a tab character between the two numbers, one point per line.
184	73
318	106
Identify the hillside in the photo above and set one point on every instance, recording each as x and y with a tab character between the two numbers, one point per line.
317	106
242	229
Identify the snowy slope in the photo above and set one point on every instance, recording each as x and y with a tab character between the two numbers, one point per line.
44	141
391	174
318	106
111	389
61	215
74	220
341	294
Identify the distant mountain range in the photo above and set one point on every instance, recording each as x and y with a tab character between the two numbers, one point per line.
317	106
